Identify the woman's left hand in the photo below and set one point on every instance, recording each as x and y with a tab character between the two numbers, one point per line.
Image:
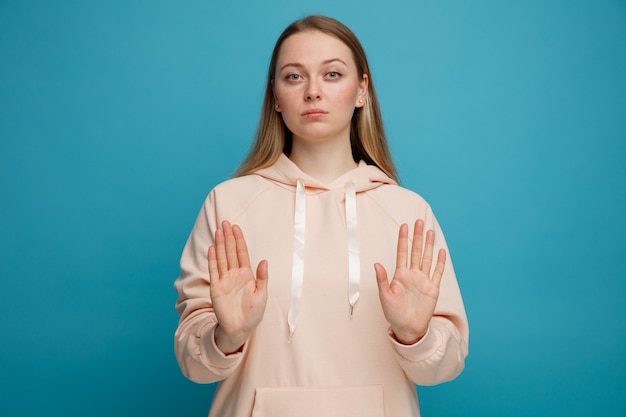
409	300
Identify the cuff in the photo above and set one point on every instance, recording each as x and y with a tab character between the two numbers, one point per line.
213	356
423	349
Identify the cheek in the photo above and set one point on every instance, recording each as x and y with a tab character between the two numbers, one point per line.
347	94
285	99
347	99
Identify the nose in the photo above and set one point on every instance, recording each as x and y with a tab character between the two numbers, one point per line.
312	91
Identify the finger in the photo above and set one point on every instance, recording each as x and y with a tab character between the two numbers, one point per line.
381	280
261	276
427	258
416	247
220	253
242	249
403	245
231	246
439	267
212	257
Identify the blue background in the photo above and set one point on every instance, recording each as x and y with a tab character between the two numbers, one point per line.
117	117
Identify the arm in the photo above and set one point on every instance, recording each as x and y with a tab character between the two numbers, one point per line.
428	326
207	290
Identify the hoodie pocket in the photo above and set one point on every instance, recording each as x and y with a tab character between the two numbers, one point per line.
353	401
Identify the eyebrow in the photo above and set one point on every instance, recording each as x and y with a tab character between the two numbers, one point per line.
299	65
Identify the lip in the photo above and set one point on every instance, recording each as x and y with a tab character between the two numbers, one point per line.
314	113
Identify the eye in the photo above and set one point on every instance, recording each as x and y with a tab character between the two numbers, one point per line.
333	75
293	77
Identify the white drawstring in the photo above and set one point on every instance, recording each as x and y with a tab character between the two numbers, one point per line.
297	272
354	260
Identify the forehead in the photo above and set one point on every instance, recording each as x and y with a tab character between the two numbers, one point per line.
313	47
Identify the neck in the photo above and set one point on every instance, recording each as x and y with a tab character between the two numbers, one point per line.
324	161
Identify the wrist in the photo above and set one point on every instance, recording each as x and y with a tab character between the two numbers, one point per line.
229	344
407	337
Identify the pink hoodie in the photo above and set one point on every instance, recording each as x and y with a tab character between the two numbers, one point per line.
323	347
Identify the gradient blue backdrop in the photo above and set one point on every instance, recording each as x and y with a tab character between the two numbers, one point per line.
117	117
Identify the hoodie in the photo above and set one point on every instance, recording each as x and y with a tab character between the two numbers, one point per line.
323	347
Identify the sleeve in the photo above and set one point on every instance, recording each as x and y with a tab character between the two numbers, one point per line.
194	343
440	355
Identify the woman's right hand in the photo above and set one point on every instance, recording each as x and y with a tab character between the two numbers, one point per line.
238	297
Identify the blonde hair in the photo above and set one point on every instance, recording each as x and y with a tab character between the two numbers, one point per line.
367	135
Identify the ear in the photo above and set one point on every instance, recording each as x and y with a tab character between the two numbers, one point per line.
276	105
362	96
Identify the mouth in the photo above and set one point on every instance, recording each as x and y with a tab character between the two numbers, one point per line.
314	113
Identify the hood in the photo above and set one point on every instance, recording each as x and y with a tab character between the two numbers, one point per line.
287	174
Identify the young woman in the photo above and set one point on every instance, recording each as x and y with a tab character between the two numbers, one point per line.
331	305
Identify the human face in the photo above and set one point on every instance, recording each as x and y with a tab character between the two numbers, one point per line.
317	87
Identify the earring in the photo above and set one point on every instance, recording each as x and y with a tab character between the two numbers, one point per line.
361	101
276	107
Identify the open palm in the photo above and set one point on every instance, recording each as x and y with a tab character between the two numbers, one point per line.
409	300
238	297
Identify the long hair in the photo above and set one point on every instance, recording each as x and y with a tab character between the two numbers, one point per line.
367	135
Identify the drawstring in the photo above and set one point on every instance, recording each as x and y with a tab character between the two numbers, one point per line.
297	272
354	260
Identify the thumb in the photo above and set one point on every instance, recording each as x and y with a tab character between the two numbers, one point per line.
261	276
381	278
